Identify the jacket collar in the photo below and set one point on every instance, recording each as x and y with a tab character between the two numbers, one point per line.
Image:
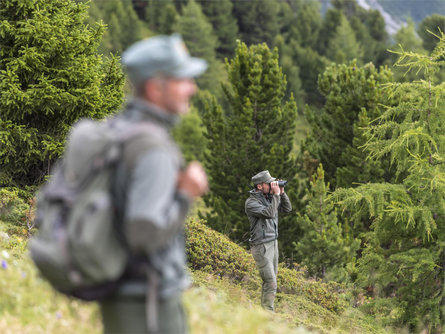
139	110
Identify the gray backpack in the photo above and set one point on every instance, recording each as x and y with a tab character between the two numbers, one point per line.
79	248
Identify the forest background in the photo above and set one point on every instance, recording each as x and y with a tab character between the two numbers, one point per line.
320	95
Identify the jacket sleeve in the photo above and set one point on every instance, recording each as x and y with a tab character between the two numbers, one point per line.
155	210
285	205
257	209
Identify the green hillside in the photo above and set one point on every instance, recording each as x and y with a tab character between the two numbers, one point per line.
223	298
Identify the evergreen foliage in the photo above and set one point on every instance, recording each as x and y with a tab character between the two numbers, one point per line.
161	16
292	72
123	25
407	37
429	29
358	169
403	261
219	14
330	23
349	90
50	76
257	21
189	134
326	246
300	27
256	133
201	45
343	46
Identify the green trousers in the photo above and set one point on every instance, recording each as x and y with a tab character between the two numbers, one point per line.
127	314
266	258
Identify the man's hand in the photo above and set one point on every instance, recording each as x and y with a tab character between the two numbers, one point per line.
193	180
275	188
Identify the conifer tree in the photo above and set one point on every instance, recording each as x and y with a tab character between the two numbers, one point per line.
254	134
291	70
330	23
311	64
325	246
343	46
407	37
123	25
257	21
219	14
201	45
308	24
348	90
403	261
50	76
161	16
300	27
189	134
429	29
357	168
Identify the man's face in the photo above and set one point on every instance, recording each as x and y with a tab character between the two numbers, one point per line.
264	188
175	94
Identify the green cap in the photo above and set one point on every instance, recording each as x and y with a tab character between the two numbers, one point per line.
161	55
262	177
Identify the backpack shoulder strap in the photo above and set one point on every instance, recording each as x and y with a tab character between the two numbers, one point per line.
138	138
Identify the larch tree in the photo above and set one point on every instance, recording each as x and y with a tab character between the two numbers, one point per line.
403	262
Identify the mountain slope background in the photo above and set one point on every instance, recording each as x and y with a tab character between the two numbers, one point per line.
397	12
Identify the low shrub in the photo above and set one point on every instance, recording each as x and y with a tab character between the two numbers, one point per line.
213	252
17	212
210	251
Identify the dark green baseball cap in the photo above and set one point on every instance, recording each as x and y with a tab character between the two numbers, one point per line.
262	177
161	55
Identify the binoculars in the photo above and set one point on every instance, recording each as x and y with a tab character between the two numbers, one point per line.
282	183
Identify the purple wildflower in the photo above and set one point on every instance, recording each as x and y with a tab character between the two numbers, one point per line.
4	264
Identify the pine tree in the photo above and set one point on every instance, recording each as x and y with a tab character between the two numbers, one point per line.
254	134
429	30
308	24
189	134
257	21
358	169
201	45
219	14
325	246
330	23
348	90
301	23
50	76
124	26
310	64
403	261
343	46
292	72
161	16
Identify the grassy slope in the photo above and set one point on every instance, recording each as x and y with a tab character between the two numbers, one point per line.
224	297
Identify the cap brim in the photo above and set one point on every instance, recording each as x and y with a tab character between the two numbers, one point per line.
192	68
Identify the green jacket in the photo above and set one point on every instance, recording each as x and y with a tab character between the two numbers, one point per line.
153	212
263	215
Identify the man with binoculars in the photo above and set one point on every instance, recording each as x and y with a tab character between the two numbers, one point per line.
262	207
